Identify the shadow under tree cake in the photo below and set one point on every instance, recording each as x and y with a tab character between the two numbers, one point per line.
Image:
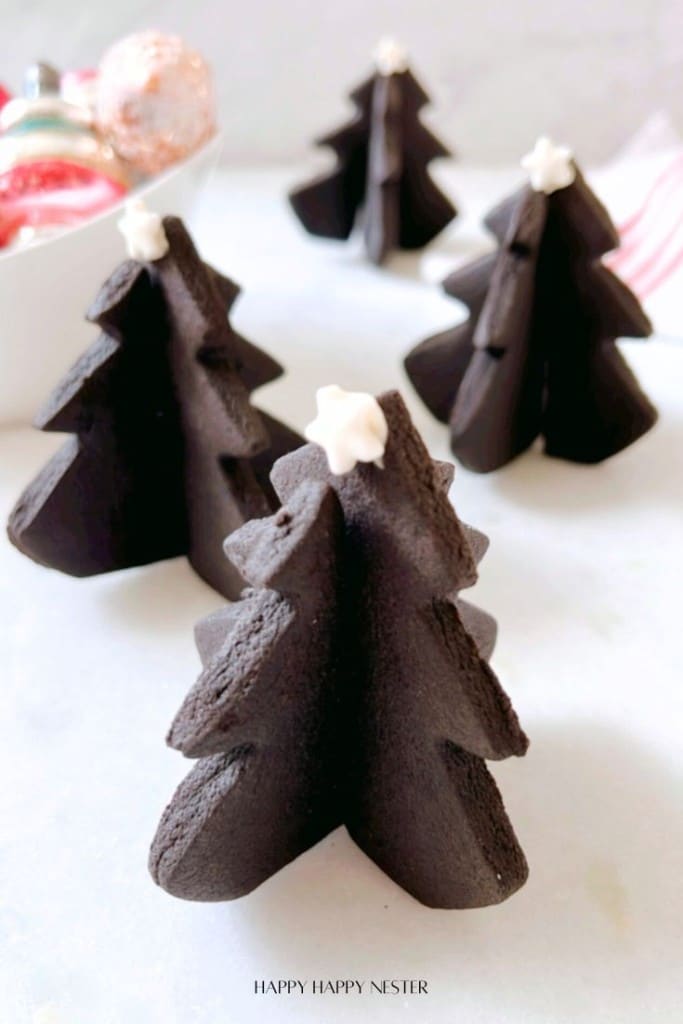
349	684
168	455
537	355
381	175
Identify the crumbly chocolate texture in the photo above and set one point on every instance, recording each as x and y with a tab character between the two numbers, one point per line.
348	686
537	355
262	715
381	176
169	456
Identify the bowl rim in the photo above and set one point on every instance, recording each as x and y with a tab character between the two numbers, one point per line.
139	191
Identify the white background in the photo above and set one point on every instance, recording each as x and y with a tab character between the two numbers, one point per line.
500	71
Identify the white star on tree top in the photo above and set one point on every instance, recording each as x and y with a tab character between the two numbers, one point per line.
350	426
390	57
143	231
550	167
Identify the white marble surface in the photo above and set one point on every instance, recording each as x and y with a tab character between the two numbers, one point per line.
583	575
500	72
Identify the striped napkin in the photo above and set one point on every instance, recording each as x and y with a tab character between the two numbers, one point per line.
642	188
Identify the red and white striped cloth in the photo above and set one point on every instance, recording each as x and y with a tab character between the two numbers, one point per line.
643	190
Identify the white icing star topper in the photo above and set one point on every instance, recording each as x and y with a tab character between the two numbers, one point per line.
143	231
350	426
390	57
550	167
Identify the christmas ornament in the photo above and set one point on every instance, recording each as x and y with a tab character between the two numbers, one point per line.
54	169
154	100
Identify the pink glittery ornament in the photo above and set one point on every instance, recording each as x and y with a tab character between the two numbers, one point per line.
154	100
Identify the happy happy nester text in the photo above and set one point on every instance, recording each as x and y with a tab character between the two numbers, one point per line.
339	986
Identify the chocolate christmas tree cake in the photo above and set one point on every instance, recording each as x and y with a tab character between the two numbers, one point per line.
168	456
349	685
381	175
537	355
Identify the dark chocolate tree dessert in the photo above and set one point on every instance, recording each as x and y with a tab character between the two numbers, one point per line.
537	355
350	684
381	174
168	455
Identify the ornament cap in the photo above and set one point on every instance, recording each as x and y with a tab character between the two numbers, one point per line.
41	79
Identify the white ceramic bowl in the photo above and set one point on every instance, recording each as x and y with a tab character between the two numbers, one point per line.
46	288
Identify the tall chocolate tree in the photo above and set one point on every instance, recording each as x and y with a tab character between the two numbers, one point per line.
537	355
381	169
349	686
168	455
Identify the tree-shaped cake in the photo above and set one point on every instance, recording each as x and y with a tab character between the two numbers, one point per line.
168	455
381	175
349	685
537	355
